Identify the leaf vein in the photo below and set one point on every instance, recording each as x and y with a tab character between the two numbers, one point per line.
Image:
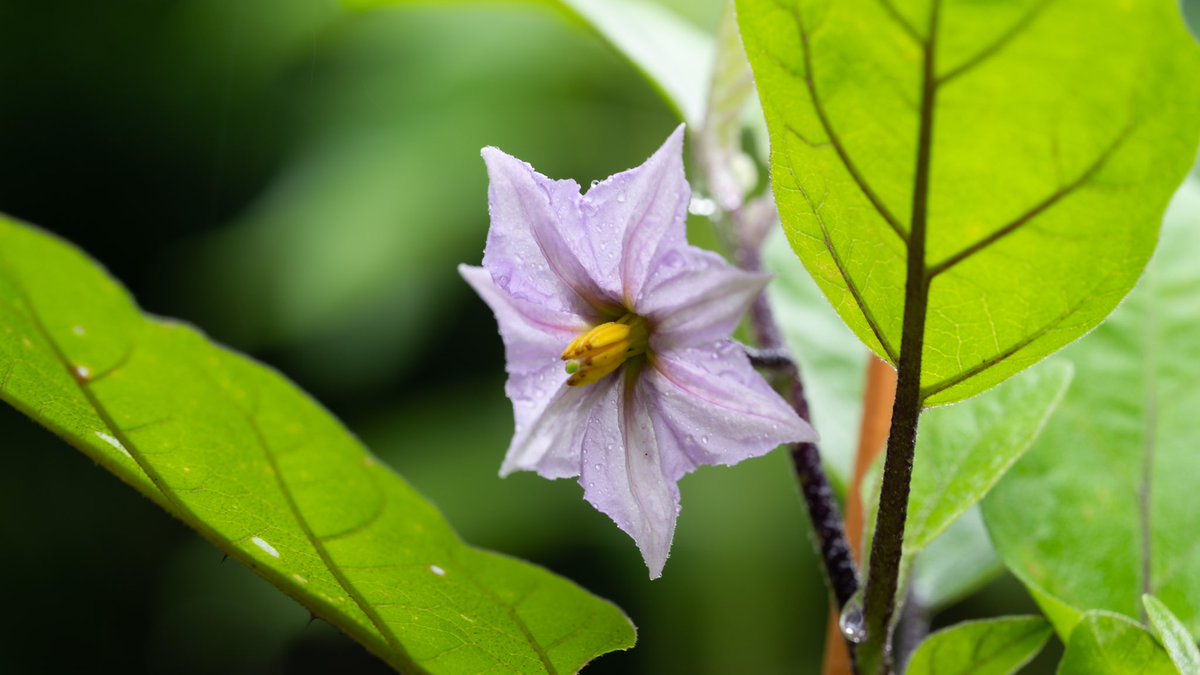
827	125
998	45
1038	209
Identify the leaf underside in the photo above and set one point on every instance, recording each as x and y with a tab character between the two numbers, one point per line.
1058	131
241	455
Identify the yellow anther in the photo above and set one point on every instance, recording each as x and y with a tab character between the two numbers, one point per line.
604	348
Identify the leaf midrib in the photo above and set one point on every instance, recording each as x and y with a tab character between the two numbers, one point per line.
917	249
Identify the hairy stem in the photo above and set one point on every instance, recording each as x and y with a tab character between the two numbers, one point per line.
878	396
818	494
887	547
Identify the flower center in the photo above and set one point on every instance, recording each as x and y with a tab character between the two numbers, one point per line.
604	348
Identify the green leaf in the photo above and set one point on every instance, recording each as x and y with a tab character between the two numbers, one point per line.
1110	644
238	453
956	564
675	57
962	452
1024	177
991	647
1173	636
1112	479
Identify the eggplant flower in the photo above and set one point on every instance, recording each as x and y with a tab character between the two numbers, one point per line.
616	332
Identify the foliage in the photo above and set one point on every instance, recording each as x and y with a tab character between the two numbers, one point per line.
1111	478
991	647
242	456
1032	115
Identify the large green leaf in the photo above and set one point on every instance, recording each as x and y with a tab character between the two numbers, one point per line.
1036	141
1173	636
991	647
1110	644
1112	479
242	456
675	57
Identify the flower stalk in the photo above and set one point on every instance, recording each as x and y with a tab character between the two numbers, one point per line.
819	496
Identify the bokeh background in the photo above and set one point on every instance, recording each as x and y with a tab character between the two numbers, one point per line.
301	182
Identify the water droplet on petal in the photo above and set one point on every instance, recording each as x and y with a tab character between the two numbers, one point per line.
704	440
596	467
621	197
595	183
851	621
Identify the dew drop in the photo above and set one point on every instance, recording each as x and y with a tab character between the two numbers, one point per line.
621	198
851	621
78	330
596	467
113	442
595	183
267	548
704	440
591	484
82	373
437	570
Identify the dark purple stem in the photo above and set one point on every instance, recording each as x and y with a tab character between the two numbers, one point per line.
818	494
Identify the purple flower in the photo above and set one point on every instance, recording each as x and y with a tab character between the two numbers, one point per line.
616	331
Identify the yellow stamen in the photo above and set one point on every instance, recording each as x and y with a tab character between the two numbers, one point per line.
604	348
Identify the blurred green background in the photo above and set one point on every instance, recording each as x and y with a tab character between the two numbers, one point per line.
300	182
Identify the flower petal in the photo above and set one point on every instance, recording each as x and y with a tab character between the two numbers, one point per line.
545	410
534	334
550	442
622	475
693	297
711	407
637	215
529	249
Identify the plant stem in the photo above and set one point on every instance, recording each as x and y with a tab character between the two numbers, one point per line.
887	547
806	457
878	396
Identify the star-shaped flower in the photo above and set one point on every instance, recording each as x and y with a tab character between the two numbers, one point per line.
616	331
